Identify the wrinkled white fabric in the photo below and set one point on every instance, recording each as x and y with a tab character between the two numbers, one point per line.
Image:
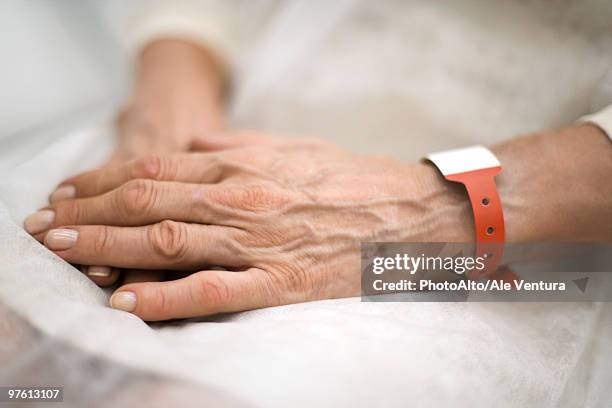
490	71
444	76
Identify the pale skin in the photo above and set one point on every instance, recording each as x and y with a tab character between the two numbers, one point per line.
286	216
177	97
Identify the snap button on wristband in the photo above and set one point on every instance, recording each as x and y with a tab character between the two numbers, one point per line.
475	167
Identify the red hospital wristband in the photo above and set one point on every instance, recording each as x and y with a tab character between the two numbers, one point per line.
475	167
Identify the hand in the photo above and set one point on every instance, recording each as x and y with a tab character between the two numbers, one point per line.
286	219
177	97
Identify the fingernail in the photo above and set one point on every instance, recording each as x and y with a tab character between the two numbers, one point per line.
125	301
63	193
61	239
39	221
99	271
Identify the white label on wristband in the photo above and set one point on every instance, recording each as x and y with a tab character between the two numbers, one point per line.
463	160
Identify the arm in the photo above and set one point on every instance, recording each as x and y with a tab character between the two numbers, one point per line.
555	186
290	214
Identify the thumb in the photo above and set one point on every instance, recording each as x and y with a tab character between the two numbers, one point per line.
200	294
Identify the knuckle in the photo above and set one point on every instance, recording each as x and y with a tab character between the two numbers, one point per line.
155	167
71	211
147	167
103	240
212	291
159	306
136	197
169	240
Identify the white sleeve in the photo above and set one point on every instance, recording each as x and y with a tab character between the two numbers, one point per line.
602	106
223	26
601	119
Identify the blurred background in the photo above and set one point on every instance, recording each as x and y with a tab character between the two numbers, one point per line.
60	57
63	65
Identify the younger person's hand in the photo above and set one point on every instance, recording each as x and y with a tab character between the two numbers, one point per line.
176	98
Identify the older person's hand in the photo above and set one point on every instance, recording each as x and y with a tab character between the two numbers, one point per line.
284	217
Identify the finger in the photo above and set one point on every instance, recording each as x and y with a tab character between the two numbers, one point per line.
139	275
101	275
203	293
245	139
233	140
187	168
166	245
138	202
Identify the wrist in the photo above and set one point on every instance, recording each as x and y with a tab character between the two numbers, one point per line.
443	212
178	88
169	66
554	186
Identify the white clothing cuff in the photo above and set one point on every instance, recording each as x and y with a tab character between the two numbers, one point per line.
601	119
